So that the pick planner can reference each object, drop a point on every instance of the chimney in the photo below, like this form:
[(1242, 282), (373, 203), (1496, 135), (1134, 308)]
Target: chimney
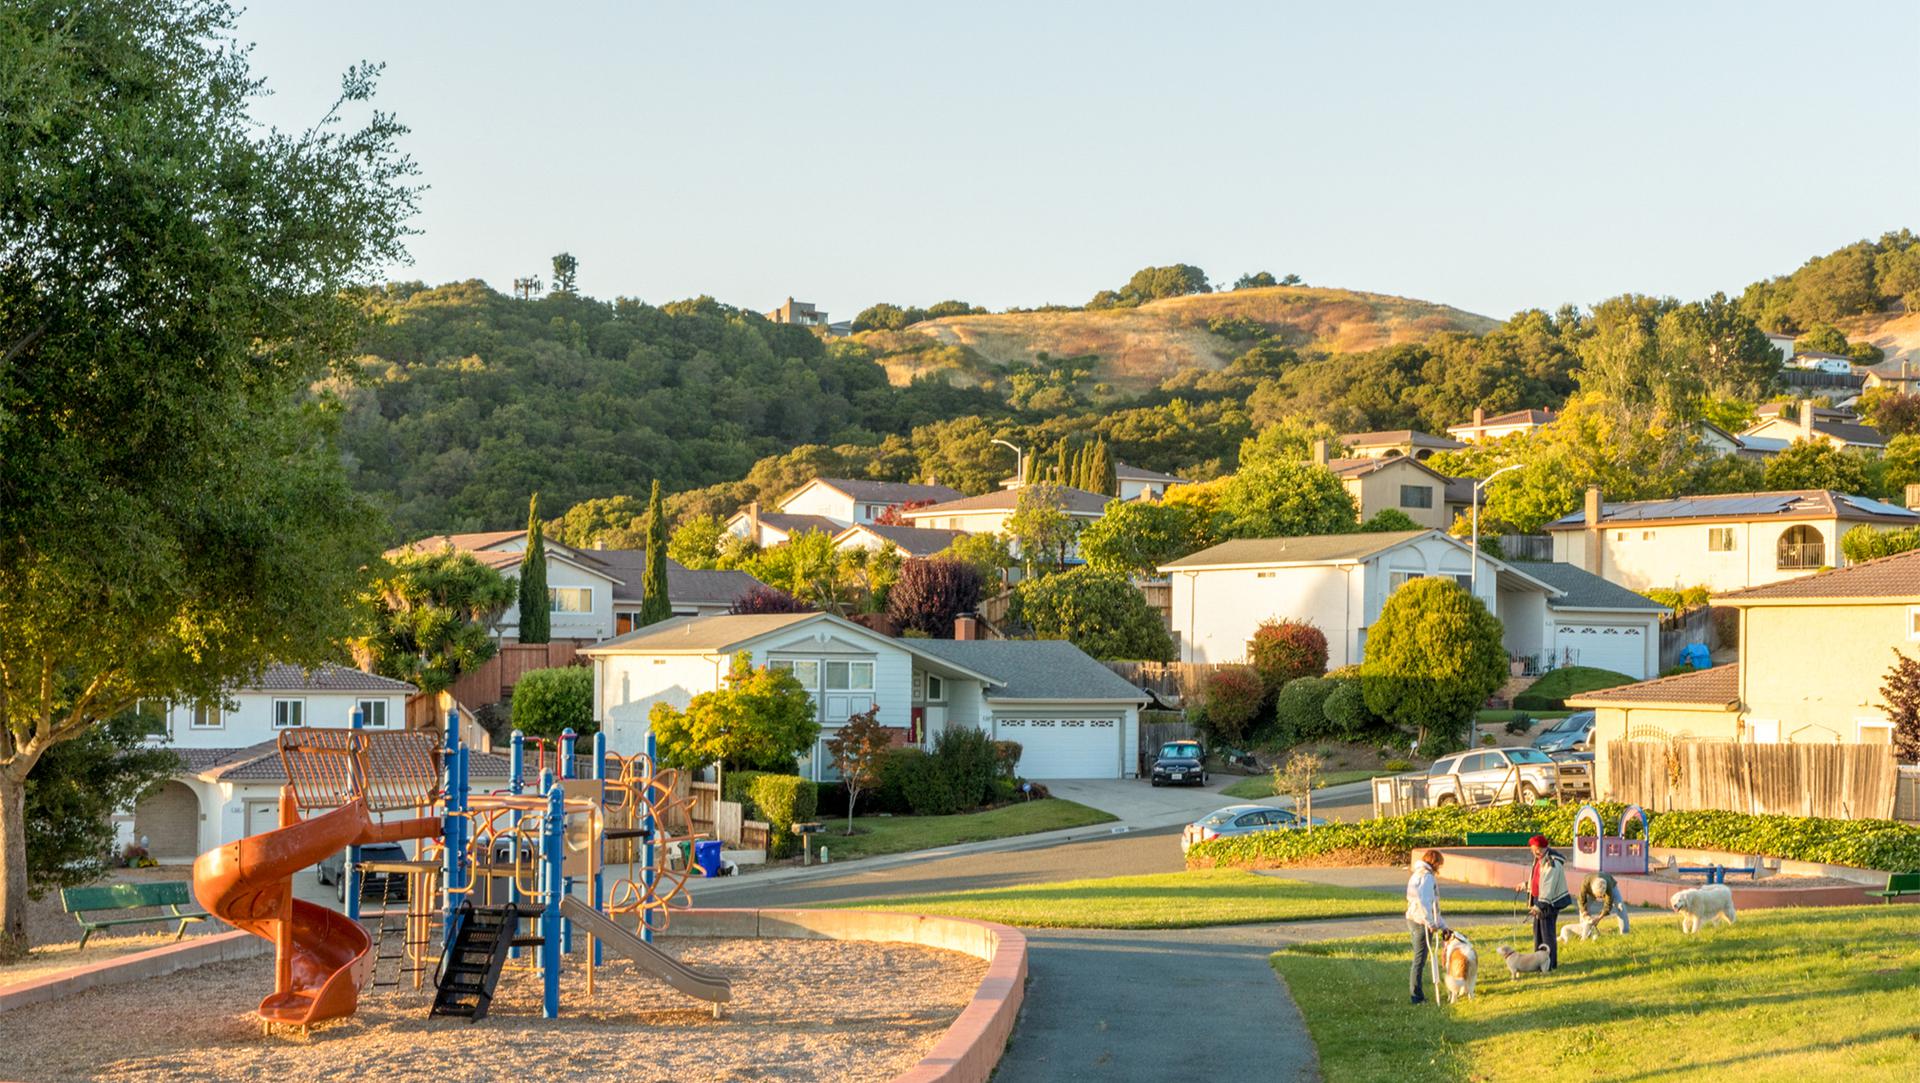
[(1806, 419), (966, 628), (753, 522), (1913, 497), (1320, 452), (1593, 506), (1479, 416), (1593, 532)]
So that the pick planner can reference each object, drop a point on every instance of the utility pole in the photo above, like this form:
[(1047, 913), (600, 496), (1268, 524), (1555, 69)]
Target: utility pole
[(525, 288)]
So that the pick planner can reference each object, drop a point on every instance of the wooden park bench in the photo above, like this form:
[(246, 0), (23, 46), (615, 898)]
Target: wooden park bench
[(1498, 838), (1898, 884), (172, 894)]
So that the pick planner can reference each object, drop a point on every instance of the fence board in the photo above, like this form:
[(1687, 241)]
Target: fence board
[(728, 816), (495, 678), (1181, 679), (1841, 781)]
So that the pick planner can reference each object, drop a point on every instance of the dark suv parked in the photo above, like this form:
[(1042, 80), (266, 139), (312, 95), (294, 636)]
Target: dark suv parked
[(1180, 763)]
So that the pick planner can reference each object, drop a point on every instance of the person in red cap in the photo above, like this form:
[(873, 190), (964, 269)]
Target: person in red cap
[(1546, 889)]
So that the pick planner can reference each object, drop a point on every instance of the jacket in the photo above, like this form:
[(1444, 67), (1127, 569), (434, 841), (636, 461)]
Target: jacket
[(1600, 887), (1553, 882), (1423, 906)]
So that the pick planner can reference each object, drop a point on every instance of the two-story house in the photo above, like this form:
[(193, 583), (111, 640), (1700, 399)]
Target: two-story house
[(1775, 433), (1514, 423), (1814, 652), (830, 505), (1411, 443), (1139, 483), (230, 776), (988, 513), (580, 593), (1723, 542), (1400, 482)]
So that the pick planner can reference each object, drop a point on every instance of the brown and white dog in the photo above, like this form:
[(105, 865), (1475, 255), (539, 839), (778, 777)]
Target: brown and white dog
[(1525, 962), (1459, 964), (1699, 905)]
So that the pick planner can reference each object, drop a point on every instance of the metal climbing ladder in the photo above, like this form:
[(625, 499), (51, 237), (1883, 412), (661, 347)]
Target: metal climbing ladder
[(471, 968)]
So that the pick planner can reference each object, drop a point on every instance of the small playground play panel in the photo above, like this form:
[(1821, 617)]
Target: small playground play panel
[(801, 1010)]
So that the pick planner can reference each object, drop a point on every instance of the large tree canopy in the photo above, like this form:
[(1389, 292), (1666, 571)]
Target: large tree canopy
[(171, 281)]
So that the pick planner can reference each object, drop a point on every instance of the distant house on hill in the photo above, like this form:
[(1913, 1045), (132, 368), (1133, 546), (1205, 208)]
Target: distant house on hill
[(800, 312), (1516, 423), (910, 540), (1135, 482), (1390, 442), (1771, 435), (1398, 482), (988, 513), (830, 505)]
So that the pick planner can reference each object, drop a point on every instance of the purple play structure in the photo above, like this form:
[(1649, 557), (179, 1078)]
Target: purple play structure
[(1610, 853)]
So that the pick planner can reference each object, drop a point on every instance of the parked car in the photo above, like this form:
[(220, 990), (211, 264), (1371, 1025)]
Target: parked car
[(1180, 763), (387, 887), (1490, 774), (1573, 733), (1241, 820)]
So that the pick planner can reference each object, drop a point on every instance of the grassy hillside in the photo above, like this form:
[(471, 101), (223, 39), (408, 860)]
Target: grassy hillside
[(1138, 347), (1896, 333)]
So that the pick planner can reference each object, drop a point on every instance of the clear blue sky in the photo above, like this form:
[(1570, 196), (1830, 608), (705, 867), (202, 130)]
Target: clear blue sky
[(1490, 156)]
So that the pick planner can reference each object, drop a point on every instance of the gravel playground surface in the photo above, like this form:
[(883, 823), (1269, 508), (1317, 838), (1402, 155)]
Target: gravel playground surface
[(56, 935), (801, 1010)]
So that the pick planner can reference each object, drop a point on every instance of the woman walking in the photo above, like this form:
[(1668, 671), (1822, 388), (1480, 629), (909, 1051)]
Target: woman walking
[(1546, 889), (1423, 917)]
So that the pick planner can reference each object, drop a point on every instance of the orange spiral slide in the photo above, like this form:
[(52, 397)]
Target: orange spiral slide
[(320, 955)]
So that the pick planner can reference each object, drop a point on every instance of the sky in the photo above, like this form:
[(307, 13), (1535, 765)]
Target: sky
[(1490, 156)]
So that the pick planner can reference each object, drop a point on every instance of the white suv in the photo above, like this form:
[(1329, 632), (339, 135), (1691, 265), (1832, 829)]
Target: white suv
[(1490, 776)]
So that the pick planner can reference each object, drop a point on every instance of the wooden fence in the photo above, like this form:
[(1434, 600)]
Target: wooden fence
[(1531, 547), (426, 712), (1165, 679), (496, 677), (1835, 781), (1906, 799)]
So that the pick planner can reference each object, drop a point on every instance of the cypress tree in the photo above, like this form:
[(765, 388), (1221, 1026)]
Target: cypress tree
[(1061, 467), (536, 612), (654, 605)]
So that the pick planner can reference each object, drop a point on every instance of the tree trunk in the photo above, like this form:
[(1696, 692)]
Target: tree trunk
[(13, 866)]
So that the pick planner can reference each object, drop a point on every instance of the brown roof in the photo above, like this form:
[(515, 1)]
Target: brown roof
[(1716, 687), (1141, 473), (1400, 436), (1362, 466), (1310, 549), (1897, 576), (792, 524), (1070, 500)]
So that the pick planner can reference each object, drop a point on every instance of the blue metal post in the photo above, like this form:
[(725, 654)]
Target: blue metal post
[(516, 767), (568, 744), (352, 873), (454, 823), (600, 844), (553, 852), (646, 869)]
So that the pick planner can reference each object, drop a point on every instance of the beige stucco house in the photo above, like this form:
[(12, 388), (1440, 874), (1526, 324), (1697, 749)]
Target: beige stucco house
[(1404, 484), (1723, 542), (1387, 443), (1774, 434), (1514, 423), (1814, 652)]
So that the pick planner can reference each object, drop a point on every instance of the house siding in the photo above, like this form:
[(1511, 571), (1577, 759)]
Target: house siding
[(250, 720), (1675, 555), (1819, 695)]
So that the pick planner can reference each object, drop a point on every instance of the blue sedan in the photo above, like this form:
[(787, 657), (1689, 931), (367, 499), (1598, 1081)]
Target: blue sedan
[(1241, 820)]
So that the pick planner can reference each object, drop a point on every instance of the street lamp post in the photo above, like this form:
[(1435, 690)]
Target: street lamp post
[(1473, 573), (1019, 460)]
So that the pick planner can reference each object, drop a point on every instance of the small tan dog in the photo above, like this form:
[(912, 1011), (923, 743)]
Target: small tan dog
[(1525, 962), (1460, 964), (1585, 930)]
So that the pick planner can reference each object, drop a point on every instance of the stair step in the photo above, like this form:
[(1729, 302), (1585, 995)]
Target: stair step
[(528, 941)]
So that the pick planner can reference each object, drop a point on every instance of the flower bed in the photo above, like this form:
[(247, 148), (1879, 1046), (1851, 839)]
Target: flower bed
[(1869, 844)]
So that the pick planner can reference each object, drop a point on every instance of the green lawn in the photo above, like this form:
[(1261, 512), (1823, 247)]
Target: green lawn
[(1172, 900), (1258, 786), (898, 834), (1802, 995), (1490, 715)]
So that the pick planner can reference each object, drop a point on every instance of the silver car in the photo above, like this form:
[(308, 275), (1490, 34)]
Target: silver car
[(1490, 776), (1240, 820)]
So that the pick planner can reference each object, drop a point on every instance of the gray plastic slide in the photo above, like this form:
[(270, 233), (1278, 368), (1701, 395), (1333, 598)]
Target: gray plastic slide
[(694, 983)]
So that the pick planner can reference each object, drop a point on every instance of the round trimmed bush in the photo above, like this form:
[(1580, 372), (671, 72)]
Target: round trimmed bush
[(1433, 658), (1347, 713), (546, 701), (1285, 650), (1300, 709), (1233, 697)]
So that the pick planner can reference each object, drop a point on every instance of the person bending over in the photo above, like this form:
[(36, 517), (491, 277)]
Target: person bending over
[(1603, 889)]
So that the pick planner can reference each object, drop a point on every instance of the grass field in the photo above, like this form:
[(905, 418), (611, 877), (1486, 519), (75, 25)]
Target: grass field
[(1173, 900), (1499, 715), (1257, 786), (1802, 995), (898, 834)]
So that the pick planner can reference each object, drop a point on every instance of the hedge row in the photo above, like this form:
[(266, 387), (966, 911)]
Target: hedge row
[(1868, 844)]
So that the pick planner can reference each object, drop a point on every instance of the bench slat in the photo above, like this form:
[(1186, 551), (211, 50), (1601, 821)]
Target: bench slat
[(127, 896)]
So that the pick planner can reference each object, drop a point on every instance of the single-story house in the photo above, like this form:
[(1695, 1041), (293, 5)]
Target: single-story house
[(910, 540), (830, 505), (1137, 482), (1771, 435), (1340, 582), (988, 513), (1723, 542), (1073, 716), (1412, 443), (767, 529), (1517, 422), (1813, 654), (201, 807)]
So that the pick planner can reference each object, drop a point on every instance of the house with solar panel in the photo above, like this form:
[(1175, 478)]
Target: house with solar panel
[(1724, 542)]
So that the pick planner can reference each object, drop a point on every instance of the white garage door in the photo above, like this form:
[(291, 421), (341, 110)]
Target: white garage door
[(1063, 746), (1621, 648)]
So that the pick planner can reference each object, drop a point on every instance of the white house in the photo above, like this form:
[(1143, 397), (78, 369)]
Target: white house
[(691, 592), (830, 505), (1516, 423), (1137, 482), (1723, 542), (1340, 582), (230, 777), (1776, 432), (988, 513), (1073, 717), (580, 592), (911, 541)]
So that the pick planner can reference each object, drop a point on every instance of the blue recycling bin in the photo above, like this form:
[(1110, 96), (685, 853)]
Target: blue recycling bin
[(1696, 655), (706, 855)]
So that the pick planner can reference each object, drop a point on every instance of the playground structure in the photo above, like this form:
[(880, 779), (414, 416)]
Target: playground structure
[(1600, 852), (485, 865)]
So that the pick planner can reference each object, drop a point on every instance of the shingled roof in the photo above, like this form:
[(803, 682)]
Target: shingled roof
[(1311, 549), (1893, 577), (883, 492), (1789, 504), (279, 677), (1717, 687)]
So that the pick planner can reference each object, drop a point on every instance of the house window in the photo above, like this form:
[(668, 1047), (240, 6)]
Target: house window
[(1646, 535), (1396, 580), (804, 670), (1619, 535), (206, 716), (1802, 548), (373, 713), (849, 676), (570, 599), (1416, 496), (1720, 539), (936, 689), (1875, 731), (289, 713)]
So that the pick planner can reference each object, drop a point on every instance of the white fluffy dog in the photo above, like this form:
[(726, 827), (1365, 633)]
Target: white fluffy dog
[(1525, 962), (1461, 966), (1584, 929), (1700, 905)]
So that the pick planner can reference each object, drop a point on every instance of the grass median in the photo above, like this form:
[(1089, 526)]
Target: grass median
[(1254, 787), (1801, 994), (875, 835), (1173, 900)]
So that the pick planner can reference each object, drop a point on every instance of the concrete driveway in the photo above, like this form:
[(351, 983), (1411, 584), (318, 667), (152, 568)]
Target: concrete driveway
[(1140, 805)]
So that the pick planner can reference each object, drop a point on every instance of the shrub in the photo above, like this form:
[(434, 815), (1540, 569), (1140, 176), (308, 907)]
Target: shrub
[(1348, 716), (1518, 726), (764, 599), (968, 759), (1300, 709), (547, 701), (1386, 520), (1679, 600), (1550, 692), (1006, 756), (1232, 697), (1488, 740), (1102, 613), (1396, 766), (1283, 650), (911, 780), (783, 800), (1433, 658), (1863, 542), (929, 594), (738, 786)]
